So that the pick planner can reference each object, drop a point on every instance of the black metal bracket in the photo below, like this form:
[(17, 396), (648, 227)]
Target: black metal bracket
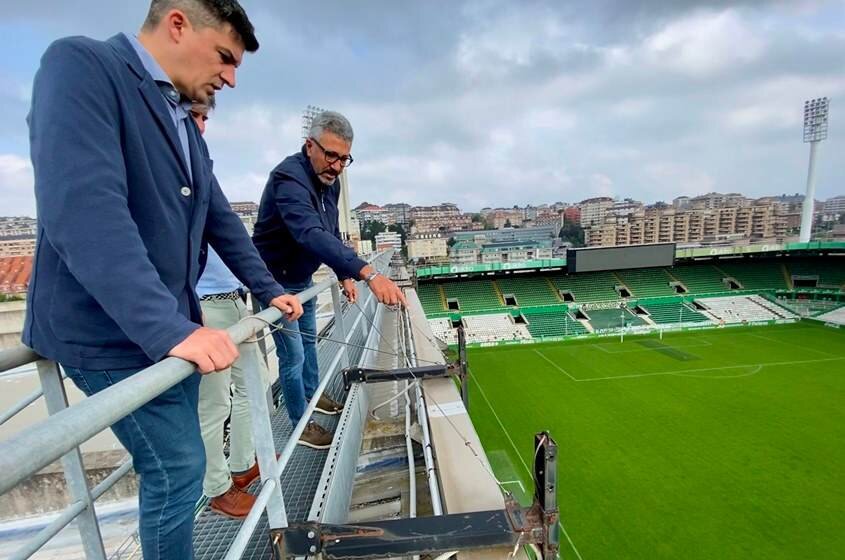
[(512, 526), (367, 375)]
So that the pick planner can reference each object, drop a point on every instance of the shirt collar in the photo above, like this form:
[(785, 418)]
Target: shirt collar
[(154, 69)]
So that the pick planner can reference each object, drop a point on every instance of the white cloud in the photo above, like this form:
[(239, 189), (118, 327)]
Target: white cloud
[(671, 179), (776, 103), (704, 44)]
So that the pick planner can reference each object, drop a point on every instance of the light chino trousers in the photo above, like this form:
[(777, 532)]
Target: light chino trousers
[(216, 402)]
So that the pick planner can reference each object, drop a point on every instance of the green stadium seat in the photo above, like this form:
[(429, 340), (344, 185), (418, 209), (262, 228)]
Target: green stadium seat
[(473, 295), (528, 290), (553, 324), (756, 274), (830, 271), (670, 313), (429, 294), (699, 278), (588, 286), (647, 282)]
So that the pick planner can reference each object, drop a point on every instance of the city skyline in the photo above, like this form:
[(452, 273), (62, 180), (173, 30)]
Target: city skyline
[(479, 104)]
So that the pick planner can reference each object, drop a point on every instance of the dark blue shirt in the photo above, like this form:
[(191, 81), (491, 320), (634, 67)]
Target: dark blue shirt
[(297, 228)]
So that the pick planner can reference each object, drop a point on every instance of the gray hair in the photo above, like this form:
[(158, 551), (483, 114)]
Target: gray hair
[(330, 121)]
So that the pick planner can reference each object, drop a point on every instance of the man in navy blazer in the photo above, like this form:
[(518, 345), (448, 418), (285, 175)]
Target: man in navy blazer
[(126, 198)]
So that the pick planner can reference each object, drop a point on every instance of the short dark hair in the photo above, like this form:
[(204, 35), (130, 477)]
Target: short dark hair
[(207, 13)]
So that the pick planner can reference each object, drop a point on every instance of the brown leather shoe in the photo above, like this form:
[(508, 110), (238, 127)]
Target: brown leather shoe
[(315, 436), (235, 503), (328, 406), (244, 479)]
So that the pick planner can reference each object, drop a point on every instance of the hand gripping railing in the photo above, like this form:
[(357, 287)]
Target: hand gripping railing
[(60, 435)]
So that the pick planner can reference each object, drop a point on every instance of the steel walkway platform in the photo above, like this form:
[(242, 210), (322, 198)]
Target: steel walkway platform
[(214, 533)]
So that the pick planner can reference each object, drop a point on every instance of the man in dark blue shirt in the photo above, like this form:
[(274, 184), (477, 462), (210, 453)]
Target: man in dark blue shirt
[(297, 231), (126, 198)]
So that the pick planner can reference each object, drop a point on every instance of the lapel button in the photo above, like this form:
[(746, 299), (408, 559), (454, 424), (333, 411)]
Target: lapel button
[(185, 191)]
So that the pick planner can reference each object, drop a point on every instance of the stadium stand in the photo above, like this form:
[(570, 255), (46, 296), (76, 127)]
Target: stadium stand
[(829, 272), (836, 316), (742, 309), (756, 275), (472, 295), (442, 329), (553, 324), (603, 319), (700, 278), (528, 290), (676, 312), (588, 286), (647, 282), (490, 328), (430, 298)]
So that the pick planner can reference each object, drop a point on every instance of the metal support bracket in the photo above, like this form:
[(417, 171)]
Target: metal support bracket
[(512, 526), (367, 375)]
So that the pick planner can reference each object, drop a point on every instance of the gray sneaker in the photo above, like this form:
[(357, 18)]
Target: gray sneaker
[(328, 406), (315, 436)]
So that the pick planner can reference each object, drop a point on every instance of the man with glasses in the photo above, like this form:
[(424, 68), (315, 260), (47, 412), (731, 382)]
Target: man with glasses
[(297, 231)]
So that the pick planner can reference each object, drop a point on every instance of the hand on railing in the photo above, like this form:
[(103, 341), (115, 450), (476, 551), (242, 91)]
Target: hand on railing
[(210, 349), (386, 291), (289, 305), (350, 290)]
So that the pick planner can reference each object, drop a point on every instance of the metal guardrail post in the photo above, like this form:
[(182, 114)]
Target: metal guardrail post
[(262, 432), (256, 309), (339, 323), (56, 399)]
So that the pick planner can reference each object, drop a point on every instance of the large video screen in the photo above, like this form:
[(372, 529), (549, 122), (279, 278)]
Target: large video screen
[(614, 258)]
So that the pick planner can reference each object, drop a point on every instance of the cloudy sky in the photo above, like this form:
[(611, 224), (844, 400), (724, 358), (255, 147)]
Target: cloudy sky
[(499, 103)]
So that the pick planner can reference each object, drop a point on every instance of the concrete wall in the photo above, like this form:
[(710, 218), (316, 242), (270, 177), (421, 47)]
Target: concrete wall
[(11, 323)]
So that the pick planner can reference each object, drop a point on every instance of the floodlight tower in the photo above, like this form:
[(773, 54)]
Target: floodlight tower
[(308, 115), (815, 130)]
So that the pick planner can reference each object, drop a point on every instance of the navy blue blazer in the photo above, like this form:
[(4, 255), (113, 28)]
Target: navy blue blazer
[(297, 227), (120, 223)]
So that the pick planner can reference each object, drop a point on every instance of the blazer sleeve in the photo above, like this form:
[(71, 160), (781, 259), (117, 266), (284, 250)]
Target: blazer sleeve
[(227, 234), (81, 193), (293, 203)]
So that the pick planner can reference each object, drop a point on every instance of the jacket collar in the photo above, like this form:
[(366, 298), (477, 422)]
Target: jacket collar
[(152, 95)]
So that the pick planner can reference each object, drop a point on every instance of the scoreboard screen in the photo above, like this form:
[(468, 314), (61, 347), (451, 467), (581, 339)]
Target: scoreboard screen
[(614, 258)]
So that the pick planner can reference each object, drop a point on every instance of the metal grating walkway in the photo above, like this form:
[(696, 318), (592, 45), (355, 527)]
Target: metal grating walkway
[(213, 533)]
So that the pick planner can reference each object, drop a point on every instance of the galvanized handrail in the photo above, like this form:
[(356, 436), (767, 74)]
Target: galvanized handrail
[(61, 434), (71, 427)]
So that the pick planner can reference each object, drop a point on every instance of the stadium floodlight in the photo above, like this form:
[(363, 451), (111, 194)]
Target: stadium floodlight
[(308, 115), (815, 130)]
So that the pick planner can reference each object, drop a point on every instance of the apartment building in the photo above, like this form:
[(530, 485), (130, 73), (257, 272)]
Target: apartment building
[(427, 246), (594, 210), (757, 221)]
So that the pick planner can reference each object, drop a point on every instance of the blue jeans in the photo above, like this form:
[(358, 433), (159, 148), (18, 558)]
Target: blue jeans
[(163, 437), (296, 348)]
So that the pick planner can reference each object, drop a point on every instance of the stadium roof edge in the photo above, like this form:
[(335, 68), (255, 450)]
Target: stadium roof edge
[(680, 254)]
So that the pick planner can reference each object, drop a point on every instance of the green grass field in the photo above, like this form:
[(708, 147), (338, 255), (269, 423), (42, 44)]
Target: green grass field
[(725, 443)]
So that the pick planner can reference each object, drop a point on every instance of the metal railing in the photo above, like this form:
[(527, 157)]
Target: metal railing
[(60, 435)]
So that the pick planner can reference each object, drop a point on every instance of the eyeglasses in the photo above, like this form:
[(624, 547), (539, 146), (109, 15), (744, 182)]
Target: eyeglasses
[(331, 157)]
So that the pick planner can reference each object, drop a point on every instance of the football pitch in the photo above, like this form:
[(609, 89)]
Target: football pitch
[(722, 443)]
